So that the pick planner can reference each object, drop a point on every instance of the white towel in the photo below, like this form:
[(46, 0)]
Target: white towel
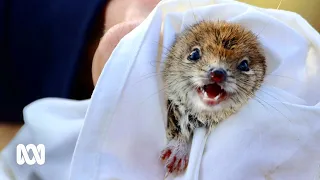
[(275, 136)]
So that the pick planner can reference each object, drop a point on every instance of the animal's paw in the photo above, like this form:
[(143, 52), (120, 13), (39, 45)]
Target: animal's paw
[(175, 156)]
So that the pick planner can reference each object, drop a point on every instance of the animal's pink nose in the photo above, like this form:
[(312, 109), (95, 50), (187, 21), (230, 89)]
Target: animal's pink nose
[(218, 76)]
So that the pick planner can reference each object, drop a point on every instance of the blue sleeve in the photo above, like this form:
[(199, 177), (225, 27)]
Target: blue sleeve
[(41, 44)]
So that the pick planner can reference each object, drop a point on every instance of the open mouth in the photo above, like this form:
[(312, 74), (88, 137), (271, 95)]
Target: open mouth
[(212, 94)]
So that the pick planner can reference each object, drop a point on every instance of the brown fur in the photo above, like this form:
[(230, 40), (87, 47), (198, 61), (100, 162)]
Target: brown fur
[(222, 44)]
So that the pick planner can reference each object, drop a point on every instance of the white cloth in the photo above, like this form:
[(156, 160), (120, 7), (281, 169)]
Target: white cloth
[(276, 136), (54, 122)]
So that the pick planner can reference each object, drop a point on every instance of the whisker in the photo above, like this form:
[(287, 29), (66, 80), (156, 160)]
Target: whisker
[(265, 92), (281, 76), (267, 23), (279, 4), (255, 96), (183, 79), (194, 15)]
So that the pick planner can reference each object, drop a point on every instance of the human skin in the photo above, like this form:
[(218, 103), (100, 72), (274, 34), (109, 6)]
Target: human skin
[(120, 17)]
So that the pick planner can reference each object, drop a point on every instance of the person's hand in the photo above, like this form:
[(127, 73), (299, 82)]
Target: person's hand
[(121, 16)]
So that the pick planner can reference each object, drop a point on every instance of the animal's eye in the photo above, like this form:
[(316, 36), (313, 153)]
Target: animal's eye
[(194, 55), (243, 66)]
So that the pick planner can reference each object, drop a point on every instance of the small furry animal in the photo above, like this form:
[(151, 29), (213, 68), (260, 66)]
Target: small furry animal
[(211, 71)]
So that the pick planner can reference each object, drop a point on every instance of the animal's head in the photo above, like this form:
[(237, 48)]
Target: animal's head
[(213, 65)]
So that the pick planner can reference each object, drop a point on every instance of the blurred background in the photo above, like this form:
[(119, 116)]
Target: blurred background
[(307, 9)]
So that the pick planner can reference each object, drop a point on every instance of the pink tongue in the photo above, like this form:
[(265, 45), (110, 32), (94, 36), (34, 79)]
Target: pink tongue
[(212, 90)]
